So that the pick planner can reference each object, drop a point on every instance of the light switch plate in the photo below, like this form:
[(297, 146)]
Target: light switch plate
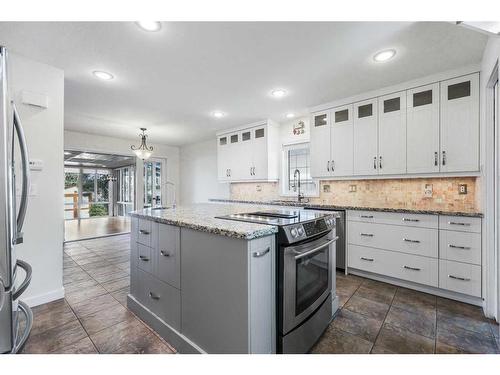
[(428, 191), (353, 188)]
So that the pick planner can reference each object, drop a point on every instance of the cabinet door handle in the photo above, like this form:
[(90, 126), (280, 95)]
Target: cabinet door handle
[(333, 166), (459, 247), (380, 162), (457, 223), (367, 259), (144, 258), (259, 254), (254, 171), (229, 172), (366, 234), (366, 216), (154, 296), (435, 158), (443, 158), (411, 220), (458, 278), (164, 253), (328, 165), (143, 231), (412, 241), (411, 268), (374, 162)]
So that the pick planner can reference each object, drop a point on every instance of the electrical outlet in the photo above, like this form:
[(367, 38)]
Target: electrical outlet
[(462, 188), (428, 191), (258, 188), (326, 188), (353, 188)]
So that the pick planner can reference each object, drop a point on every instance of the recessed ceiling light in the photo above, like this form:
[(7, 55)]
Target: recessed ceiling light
[(290, 115), (149, 25), (218, 114), (103, 75), (278, 93), (385, 55)]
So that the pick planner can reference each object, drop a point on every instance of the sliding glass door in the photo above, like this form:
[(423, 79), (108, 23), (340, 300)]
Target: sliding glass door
[(87, 193), (125, 190), (153, 183)]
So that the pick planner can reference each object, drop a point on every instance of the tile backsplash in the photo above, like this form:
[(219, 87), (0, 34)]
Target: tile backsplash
[(418, 193)]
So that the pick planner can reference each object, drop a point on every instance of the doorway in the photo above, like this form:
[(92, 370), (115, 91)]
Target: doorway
[(99, 192)]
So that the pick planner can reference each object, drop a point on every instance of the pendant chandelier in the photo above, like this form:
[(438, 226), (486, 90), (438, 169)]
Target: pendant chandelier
[(143, 151)]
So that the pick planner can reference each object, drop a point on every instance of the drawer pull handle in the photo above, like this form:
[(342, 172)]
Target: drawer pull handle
[(366, 216), (259, 254), (367, 259), (459, 278), (366, 234), (456, 223), (164, 253), (144, 258), (411, 220), (459, 247), (412, 241), (411, 268), (143, 231), (154, 296)]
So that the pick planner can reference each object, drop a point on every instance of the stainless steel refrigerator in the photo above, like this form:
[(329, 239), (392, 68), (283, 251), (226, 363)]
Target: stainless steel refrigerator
[(15, 275)]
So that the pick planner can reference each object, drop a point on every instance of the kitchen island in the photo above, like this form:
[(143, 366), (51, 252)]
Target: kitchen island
[(206, 285)]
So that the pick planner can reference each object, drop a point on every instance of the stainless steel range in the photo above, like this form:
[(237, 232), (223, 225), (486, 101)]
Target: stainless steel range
[(305, 273)]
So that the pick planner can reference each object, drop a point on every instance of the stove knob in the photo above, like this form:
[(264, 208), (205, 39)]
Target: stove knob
[(293, 232), (300, 231)]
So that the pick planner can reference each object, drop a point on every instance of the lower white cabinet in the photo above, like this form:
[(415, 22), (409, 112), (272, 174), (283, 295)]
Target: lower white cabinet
[(432, 250), (460, 277)]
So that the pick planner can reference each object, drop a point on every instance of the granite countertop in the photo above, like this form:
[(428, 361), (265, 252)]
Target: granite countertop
[(360, 208), (202, 217)]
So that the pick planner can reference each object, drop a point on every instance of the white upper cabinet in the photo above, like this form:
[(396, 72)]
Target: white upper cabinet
[(249, 153), (422, 144), (365, 138), (392, 133), (320, 144), (341, 133), (460, 124), (223, 157)]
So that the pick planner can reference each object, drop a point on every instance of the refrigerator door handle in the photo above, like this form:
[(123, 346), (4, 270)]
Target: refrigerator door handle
[(20, 290), (21, 340), (26, 176)]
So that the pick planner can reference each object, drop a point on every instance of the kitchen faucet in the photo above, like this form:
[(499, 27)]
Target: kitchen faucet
[(300, 196)]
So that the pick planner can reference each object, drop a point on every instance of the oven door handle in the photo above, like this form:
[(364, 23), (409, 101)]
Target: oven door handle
[(315, 250)]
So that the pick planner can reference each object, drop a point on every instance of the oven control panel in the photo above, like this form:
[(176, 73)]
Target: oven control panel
[(302, 231)]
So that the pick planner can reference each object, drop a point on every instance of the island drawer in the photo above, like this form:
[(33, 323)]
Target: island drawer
[(169, 257), (145, 258), (410, 240), (462, 247), (460, 277), (394, 218), (144, 232), (460, 223), (162, 299), (418, 269)]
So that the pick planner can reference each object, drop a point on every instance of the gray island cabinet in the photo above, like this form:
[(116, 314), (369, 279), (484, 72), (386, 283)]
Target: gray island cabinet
[(204, 290)]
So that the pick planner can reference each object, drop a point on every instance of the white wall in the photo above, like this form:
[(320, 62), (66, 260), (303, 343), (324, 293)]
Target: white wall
[(43, 229), (490, 58), (198, 171), (98, 143)]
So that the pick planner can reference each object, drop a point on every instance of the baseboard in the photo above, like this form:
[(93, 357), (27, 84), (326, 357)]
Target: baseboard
[(44, 298)]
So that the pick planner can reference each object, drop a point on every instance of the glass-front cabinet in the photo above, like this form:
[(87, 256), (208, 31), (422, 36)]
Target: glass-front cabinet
[(153, 184)]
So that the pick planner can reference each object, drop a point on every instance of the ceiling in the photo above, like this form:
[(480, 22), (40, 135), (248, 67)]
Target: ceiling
[(172, 80)]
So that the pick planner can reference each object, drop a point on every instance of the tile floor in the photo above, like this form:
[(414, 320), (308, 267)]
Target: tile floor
[(93, 318), (374, 317), (379, 318)]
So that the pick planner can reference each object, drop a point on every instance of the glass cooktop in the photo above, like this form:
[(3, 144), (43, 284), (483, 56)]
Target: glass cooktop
[(276, 217)]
